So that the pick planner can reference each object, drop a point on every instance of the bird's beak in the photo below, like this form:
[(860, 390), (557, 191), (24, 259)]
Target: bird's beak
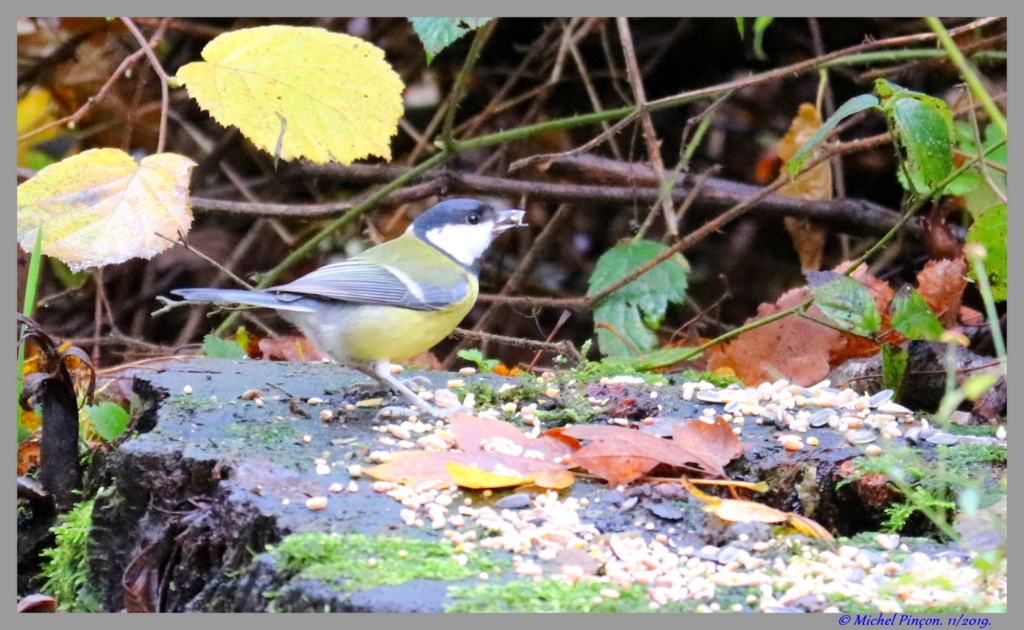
[(509, 219)]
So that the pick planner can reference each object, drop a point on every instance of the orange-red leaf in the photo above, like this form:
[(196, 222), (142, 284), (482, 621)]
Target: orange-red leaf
[(429, 469), (621, 455), (941, 283), (474, 434), (713, 445)]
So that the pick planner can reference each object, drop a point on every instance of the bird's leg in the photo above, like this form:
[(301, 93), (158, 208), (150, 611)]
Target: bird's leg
[(381, 372)]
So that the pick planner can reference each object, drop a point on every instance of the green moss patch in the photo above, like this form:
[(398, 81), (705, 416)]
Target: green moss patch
[(363, 562)]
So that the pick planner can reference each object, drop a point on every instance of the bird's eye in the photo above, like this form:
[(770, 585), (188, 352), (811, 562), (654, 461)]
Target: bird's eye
[(473, 219)]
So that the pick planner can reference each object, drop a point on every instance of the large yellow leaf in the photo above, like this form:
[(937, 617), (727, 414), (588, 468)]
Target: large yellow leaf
[(300, 92), (102, 207)]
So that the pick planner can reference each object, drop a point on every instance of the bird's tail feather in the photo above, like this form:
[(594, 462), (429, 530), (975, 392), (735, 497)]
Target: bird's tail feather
[(241, 296)]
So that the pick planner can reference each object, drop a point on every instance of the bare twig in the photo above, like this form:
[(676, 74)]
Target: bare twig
[(479, 39), (161, 73), (838, 179), (595, 100), (982, 164), (564, 348), (80, 113), (968, 72), (650, 137)]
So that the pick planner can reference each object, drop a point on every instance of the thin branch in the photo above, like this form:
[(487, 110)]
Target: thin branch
[(564, 348), (80, 113), (479, 39), (708, 92), (165, 96), (967, 72), (983, 164), (650, 137)]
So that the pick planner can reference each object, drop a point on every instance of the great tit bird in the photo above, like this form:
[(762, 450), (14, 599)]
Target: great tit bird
[(393, 301)]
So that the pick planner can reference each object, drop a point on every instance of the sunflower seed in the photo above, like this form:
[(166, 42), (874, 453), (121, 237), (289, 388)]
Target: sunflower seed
[(862, 436), (894, 409), (709, 397), (881, 397), (820, 417)]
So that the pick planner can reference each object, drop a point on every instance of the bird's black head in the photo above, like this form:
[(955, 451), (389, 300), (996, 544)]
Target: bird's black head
[(463, 228)]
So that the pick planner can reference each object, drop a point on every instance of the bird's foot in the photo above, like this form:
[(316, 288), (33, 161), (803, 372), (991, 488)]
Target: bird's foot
[(420, 410), (418, 382), (367, 390)]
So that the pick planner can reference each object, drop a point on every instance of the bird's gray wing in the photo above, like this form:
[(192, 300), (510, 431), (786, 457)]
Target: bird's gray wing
[(363, 282)]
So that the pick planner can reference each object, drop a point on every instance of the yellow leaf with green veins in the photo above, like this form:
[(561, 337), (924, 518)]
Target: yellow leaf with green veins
[(101, 207), (300, 92)]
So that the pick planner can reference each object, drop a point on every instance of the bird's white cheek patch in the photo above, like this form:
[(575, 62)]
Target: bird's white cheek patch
[(464, 243)]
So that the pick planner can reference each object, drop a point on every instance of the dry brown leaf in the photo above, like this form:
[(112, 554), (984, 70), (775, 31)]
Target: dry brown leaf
[(797, 348), (714, 445), (290, 348), (609, 462), (474, 434), (941, 283), (428, 469), (816, 185), (793, 348)]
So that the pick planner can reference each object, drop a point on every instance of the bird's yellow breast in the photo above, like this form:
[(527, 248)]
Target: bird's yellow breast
[(395, 334)]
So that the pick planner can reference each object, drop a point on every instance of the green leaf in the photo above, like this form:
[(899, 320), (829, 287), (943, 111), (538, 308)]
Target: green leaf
[(990, 232), (845, 301), (924, 128), (217, 348), (912, 318), (894, 366), (980, 197), (477, 358), (437, 33), (741, 27), (853, 106), (640, 306), (109, 419), (68, 279), (760, 24)]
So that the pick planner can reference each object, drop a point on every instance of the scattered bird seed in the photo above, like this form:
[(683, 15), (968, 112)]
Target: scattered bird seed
[(820, 418), (316, 503), (894, 409), (709, 397), (880, 398), (862, 436), (517, 501)]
